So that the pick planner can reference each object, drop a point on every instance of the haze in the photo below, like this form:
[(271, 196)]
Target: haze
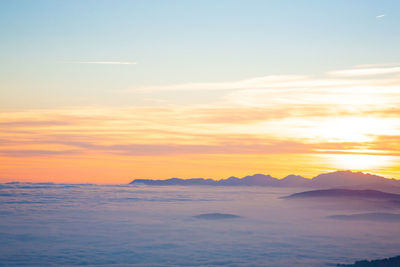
[(64, 225)]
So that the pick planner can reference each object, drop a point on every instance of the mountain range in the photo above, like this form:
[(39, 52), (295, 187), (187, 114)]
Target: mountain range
[(342, 179)]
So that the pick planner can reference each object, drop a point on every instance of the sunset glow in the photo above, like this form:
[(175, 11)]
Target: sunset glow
[(361, 162), (111, 144), (103, 112)]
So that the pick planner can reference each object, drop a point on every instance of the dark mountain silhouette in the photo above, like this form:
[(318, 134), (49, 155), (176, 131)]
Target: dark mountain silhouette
[(352, 199), (254, 180), (388, 262), (294, 181), (372, 201), (338, 179), (346, 193), (175, 181), (348, 178)]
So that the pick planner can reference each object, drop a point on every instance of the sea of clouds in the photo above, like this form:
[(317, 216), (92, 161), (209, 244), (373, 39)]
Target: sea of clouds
[(124, 225)]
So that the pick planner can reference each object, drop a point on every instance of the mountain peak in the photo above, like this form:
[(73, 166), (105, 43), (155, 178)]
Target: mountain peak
[(337, 179), (293, 177), (294, 181), (346, 178)]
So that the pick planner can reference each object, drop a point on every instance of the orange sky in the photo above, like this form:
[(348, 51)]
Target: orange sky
[(344, 119)]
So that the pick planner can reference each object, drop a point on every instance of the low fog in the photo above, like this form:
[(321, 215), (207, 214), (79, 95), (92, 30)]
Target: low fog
[(50, 224)]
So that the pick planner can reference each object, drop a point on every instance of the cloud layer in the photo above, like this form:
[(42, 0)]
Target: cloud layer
[(352, 111), (76, 224)]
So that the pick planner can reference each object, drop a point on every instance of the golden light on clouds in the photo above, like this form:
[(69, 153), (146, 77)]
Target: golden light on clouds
[(347, 119), (360, 162)]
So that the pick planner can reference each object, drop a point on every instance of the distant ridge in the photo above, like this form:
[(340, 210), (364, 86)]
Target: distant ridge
[(252, 180), (346, 193), (345, 179)]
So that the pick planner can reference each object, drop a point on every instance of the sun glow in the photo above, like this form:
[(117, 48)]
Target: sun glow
[(360, 162), (352, 129)]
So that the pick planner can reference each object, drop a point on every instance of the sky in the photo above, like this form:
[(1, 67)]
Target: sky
[(109, 91)]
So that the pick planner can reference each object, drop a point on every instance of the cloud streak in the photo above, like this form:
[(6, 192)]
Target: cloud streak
[(363, 75), (351, 111), (37, 153), (178, 131), (366, 71), (106, 62)]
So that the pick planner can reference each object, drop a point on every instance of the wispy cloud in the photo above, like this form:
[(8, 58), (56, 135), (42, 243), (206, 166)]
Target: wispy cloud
[(368, 70), (332, 79), (380, 16), (37, 153), (345, 111), (252, 83), (105, 62)]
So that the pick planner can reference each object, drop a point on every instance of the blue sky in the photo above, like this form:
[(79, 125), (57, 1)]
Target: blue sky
[(178, 42)]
